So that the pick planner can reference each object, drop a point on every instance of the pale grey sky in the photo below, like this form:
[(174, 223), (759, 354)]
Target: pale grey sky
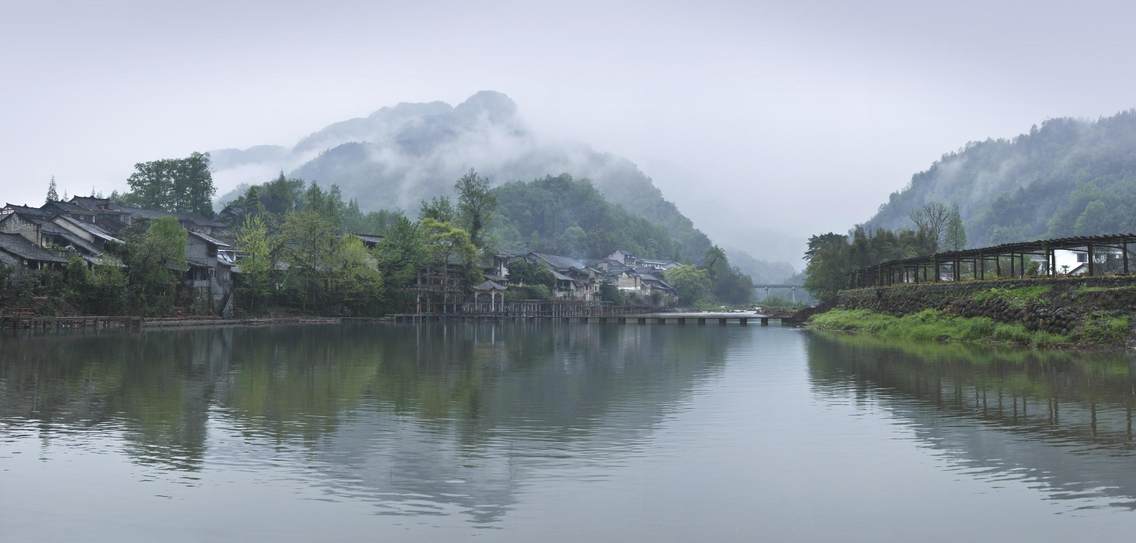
[(791, 117)]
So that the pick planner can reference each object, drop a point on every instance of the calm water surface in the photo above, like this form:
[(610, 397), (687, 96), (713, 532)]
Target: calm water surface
[(524, 432)]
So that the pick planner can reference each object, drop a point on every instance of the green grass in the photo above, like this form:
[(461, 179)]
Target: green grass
[(1018, 297), (1088, 290), (1104, 328), (933, 325)]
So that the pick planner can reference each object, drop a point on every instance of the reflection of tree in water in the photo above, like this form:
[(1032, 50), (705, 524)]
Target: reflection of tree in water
[(155, 388), (1062, 419), (417, 419)]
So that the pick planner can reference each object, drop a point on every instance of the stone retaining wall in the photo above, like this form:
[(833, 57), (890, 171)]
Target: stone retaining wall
[(1066, 302)]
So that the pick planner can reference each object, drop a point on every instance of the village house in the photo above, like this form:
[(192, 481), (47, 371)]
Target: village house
[(639, 278), (21, 256), (574, 279), (209, 276), (86, 226)]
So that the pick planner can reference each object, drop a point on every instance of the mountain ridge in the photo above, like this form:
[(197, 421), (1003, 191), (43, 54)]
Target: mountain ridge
[(1066, 177), (402, 154)]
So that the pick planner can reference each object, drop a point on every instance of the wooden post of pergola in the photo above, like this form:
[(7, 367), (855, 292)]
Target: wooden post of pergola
[(981, 263), (1012, 265), (1124, 252), (1092, 265)]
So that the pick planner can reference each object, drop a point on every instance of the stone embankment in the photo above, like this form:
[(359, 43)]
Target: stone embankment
[(1074, 307)]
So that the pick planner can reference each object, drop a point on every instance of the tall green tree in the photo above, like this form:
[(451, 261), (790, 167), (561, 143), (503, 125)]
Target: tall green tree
[(256, 264), (693, 284), (400, 254), (355, 277), (156, 263), (308, 245), (439, 209), (446, 245), (476, 204), (182, 185), (827, 268), (954, 239)]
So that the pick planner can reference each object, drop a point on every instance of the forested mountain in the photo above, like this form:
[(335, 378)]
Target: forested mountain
[(1067, 177), (562, 215), (401, 155)]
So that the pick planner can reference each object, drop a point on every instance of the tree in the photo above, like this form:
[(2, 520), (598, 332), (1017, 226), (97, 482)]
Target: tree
[(827, 266), (932, 218), (52, 194), (476, 204), (715, 261), (175, 185), (256, 264), (308, 243), (693, 284), (523, 272), (355, 278), (446, 245), (156, 263), (955, 236), (439, 209), (400, 254)]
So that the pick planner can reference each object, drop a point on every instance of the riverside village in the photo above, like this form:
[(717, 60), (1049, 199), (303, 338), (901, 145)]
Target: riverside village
[(694, 271)]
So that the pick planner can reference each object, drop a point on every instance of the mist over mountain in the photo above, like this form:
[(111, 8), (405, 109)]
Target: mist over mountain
[(399, 155), (1066, 177)]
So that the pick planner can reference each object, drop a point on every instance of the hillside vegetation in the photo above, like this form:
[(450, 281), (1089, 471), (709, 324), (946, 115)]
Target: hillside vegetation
[(1066, 177)]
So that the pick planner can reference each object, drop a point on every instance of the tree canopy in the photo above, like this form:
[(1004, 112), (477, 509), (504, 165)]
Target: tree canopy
[(177, 185)]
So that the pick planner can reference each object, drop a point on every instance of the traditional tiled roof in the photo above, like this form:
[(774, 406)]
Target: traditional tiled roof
[(68, 238), (560, 276), (19, 246), (209, 239), (29, 214), (561, 262), (92, 229)]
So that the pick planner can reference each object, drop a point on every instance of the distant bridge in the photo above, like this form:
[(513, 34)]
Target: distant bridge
[(766, 287)]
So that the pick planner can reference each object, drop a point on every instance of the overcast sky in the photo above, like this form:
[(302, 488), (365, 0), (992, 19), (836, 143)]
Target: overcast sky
[(792, 117)]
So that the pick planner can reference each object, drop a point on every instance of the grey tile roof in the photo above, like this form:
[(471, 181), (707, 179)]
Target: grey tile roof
[(19, 246), (92, 229), (209, 239), (561, 262)]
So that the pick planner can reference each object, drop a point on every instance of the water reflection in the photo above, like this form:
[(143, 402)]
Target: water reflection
[(1060, 421), (414, 420)]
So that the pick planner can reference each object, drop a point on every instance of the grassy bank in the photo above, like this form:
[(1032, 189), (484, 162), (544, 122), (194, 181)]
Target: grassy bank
[(933, 325)]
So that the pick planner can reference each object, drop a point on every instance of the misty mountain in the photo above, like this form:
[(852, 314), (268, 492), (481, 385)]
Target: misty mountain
[(400, 155), (1067, 177), (762, 272)]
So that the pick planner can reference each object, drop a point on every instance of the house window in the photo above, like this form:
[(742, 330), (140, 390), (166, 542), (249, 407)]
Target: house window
[(1082, 258)]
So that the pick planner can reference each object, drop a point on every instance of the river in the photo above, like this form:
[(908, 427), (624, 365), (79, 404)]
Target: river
[(556, 432)]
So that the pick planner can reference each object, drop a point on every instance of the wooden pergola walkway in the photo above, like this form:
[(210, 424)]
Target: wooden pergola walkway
[(1010, 260)]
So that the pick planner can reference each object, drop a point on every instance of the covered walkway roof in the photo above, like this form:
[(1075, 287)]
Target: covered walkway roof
[(910, 269)]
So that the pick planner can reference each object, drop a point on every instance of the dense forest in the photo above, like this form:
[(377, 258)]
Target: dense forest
[(1066, 177), (562, 215)]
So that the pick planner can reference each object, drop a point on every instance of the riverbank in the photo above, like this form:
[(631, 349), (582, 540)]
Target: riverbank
[(139, 323), (1068, 313)]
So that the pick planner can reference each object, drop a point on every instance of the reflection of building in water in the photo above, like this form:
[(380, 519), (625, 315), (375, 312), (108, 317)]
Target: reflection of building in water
[(1061, 421), (415, 419)]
